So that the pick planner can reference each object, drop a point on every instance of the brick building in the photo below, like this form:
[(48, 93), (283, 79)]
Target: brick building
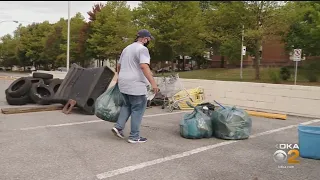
[(273, 54)]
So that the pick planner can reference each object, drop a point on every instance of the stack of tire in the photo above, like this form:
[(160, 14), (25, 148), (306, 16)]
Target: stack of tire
[(38, 89)]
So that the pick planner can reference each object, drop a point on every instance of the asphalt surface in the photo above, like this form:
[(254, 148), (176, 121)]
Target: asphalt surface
[(55, 146)]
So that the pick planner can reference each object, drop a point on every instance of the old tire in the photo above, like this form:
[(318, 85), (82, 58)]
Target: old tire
[(55, 84), (48, 81), (41, 94), (35, 80), (19, 87), (42, 75), (18, 101)]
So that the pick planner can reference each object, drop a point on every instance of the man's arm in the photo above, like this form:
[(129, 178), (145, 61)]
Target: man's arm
[(144, 65), (148, 74), (118, 68)]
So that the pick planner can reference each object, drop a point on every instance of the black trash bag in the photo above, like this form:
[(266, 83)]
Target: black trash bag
[(196, 125), (108, 104), (231, 123)]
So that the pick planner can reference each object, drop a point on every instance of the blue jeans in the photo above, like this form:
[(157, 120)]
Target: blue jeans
[(135, 107)]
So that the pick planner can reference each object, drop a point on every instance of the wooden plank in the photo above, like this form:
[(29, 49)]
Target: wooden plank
[(16, 110), (267, 115)]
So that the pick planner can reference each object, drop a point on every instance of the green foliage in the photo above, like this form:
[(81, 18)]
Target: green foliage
[(311, 76), (110, 30), (274, 75), (304, 32), (177, 27), (188, 28), (312, 70), (285, 73)]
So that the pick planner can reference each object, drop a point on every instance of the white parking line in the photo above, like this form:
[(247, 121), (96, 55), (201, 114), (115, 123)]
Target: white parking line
[(189, 153), (89, 122)]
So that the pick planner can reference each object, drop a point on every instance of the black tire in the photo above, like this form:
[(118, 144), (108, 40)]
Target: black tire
[(35, 80), (41, 94), (19, 87), (48, 81), (42, 75), (18, 101), (55, 84)]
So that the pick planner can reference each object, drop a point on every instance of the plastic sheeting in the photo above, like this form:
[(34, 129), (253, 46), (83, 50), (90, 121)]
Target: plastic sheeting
[(231, 123), (196, 125), (108, 104)]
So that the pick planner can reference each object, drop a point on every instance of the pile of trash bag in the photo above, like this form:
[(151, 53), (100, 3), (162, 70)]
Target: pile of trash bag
[(231, 123), (108, 104), (197, 124)]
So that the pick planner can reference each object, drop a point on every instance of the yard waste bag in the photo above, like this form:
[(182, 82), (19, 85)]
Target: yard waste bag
[(196, 125), (108, 104), (231, 123)]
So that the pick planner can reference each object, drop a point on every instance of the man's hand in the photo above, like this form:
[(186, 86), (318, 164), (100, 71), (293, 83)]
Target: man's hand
[(155, 88)]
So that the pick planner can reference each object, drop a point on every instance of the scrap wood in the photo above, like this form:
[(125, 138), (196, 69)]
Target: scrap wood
[(16, 110), (267, 115)]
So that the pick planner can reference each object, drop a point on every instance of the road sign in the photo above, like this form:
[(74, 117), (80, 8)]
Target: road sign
[(244, 49), (297, 55)]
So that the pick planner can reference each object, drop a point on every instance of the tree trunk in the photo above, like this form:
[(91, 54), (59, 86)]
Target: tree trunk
[(183, 63), (222, 62), (172, 64), (256, 60)]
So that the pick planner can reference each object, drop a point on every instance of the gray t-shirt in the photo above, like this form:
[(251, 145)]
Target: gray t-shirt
[(131, 79)]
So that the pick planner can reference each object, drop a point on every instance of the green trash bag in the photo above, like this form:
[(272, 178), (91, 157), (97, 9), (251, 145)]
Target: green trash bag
[(108, 104), (196, 125), (231, 123)]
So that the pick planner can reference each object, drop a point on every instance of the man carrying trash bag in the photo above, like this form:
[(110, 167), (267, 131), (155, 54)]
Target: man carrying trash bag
[(133, 76)]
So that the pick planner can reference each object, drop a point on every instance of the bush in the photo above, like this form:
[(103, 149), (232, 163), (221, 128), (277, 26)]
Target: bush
[(285, 73), (311, 75), (312, 70), (274, 76)]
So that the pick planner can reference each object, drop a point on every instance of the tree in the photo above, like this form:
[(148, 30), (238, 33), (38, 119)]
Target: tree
[(263, 20), (8, 51), (78, 38), (176, 25), (53, 51), (33, 40), (304, 28), (223, 32), (111, 27)]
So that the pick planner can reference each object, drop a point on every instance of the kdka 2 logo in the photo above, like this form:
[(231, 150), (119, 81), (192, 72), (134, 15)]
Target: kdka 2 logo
[(287, 154)]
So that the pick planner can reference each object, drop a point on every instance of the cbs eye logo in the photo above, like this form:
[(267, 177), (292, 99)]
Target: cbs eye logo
[(281, 156)]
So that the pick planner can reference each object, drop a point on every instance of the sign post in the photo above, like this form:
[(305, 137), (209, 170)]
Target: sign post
[(243, 52), (296, 58)]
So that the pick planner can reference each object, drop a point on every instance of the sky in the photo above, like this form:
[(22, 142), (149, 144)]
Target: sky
[(27, 12)]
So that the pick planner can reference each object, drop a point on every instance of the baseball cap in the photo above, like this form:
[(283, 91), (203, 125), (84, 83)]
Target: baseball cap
[(144, 33)]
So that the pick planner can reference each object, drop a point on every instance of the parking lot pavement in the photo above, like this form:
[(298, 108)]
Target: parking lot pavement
[(52, 145)]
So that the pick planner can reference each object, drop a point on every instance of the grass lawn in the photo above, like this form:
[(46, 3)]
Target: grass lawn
[(248, 75)]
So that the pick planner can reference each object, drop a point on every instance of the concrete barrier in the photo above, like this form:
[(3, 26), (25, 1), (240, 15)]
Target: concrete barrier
[(274, 98)]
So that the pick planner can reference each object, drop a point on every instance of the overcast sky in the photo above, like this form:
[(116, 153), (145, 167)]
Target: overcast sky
[(27, 12)]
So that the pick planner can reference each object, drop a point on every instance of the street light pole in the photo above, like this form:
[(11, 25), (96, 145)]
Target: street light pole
[(241, 63), (68, 38)]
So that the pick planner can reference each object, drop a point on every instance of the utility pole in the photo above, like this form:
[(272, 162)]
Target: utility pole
[(241, 63), (68, 38)]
